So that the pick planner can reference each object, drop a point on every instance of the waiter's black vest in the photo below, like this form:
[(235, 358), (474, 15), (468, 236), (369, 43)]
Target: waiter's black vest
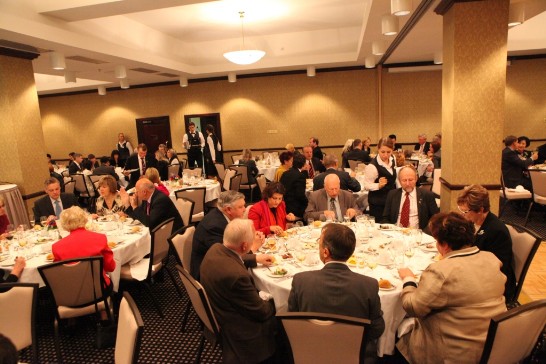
[(379, 197), (123, 151), (194, 140)]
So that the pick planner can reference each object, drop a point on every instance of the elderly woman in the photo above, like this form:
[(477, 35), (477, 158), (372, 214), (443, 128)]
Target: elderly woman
[(269, 215), (286, 159), (83, 243), (248, 161), (109, 201), (380, 177), (491, 233), (455, 299), (153, 175)]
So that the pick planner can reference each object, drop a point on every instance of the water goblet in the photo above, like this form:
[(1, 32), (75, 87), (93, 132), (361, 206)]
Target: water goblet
[(310, 223)]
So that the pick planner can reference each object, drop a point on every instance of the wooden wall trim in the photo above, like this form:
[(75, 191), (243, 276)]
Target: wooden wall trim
[(454, 187)]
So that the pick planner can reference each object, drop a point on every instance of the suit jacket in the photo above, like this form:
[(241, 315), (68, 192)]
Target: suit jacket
[(209, 232), (359, 155), (336, 289), (247, 322), (83, 243), (161, 209), (132, 163), (319, 202), (294, 183), (317, 166), (426, 206), (102, 170), (73, 168), (425, 149), (317, 153), (453, 303), (512, 168), (44, 207), (493, 236), (541, 154), (345, 180)]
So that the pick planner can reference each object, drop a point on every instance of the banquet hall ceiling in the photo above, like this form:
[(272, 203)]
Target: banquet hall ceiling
[(161, 40)]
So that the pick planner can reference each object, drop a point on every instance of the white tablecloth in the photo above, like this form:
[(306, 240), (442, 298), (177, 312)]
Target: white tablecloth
[(393, 313), (122, 181), (15, 208), (268, 171), (212, 193), (131, 249)]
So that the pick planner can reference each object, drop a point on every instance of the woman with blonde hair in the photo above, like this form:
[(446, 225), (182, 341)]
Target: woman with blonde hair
[(248, 161), (346, 149), (153, 175), (380, 177)]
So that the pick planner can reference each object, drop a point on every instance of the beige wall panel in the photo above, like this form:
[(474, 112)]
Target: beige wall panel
[(412, 104), (332, 106), (526, 99)]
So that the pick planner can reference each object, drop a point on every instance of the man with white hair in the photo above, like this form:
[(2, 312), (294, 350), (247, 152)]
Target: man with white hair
[(409, 206), (247, 321), (422, 146), (331, 201), (231, 205)]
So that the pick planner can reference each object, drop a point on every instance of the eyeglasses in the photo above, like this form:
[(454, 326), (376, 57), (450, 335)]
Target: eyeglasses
[(463, 212)]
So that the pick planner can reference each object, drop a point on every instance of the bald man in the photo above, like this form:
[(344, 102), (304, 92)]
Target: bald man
[(155, 208), (332, 202)]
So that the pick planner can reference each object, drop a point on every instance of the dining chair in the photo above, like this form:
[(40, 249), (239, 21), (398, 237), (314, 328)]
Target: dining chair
[(77, 287), (262, 182), (437, 185), (197, 195), (525, 244), (415, 163), (245, 184), (341, 338), (352, 164), (235, 183), (247, 209), (513, 334), (181, 244), (185, 209), (509, 195), (94, 178), (174, 169), (81, 186), (221, 170), (69, 186), (237, 157), (228, 175), (130, 330), (201, 305), (17, 315), (144, 271), (538, 181)]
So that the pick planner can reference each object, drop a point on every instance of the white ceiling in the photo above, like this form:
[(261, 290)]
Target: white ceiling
[(174, 38)]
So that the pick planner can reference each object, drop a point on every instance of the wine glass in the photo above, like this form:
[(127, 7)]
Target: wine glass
[(43, 220), (31, 221), (310, 223)]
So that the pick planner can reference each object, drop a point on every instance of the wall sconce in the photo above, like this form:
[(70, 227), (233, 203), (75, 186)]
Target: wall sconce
[(57, 61)]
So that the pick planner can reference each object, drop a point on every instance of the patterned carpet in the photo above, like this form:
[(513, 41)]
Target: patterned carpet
[(163, 340)]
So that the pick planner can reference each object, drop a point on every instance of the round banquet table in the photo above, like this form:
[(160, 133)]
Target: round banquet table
[(393, 312), (15, 208), (130, 248), (212, 193), (268, 170)]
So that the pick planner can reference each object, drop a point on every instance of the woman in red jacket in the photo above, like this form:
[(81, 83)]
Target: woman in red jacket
[(269, 215)]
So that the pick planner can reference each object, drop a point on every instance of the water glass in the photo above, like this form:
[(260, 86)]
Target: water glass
[(310, 223)]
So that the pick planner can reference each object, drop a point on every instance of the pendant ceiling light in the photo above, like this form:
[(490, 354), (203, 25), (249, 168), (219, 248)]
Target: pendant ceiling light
[(389, 24), (57, 61), (516, 15), (400, 7), (378, 47), (369, 62), (69, 77), (101, 90), (244, 56)]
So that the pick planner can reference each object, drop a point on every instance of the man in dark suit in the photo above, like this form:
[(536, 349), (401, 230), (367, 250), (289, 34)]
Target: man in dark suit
[(357, 153), (346, 181), (54, 203), (541, 154), (105, 168), (76, 165), (422, 146), (231, 205), (138, 163), (335, 288), (155, 208), (293, 181), (397, 146), (513, 165), (420, 205), (331, 201), (317, 152), (247, 321), (312, 166)]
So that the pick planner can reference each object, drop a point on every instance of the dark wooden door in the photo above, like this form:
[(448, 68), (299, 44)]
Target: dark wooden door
[(202, 120), (154, 131)]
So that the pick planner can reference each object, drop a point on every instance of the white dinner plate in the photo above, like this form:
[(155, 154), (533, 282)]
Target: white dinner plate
[(431, 250), (393, 287), (271, 273)]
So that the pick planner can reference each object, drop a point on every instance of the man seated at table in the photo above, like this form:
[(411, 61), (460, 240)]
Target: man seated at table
[(105, 168), (357, 154), (312, 166), (397, 146), (293, 181), (422, 146), (231, 205), (346, 181), (331, 202), (409, 206), (513, 166), (155, 207), (54, 203), (76, 165), (335, 288), (56, 175), (247, 321)]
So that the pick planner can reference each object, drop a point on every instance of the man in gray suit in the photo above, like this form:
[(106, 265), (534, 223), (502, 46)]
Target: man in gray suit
[(335, 288), (331, 201), (421, 204)]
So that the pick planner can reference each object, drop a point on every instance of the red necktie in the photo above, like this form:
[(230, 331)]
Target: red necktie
[(311, 171), (404, 215)]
